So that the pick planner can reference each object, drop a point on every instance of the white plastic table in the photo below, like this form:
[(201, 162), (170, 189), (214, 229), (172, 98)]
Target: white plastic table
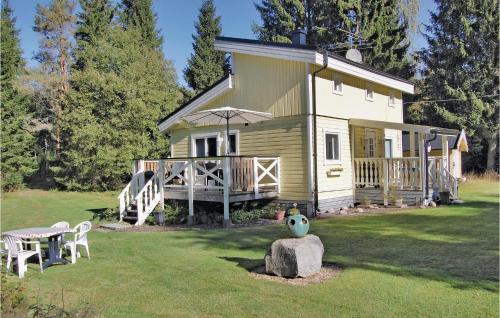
[(52, 233)]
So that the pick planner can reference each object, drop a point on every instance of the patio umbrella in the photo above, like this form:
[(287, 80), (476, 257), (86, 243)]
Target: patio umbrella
[(224, 115)]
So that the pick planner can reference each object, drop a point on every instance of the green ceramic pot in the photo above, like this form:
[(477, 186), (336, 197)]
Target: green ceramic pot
[(298, 225)]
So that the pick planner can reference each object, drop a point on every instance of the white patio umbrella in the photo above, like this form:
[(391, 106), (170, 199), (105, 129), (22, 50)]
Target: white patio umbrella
[(224, 115)]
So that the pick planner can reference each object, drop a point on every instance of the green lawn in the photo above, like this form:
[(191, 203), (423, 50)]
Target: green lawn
[(421, 263)]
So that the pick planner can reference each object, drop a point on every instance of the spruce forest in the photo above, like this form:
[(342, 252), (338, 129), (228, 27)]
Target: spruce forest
[(103, 82)]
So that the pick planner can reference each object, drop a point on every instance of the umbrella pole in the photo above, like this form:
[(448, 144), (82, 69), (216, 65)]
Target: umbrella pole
[(227, 136)]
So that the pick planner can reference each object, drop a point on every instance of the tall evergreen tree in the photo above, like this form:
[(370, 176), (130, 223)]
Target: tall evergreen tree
[(17, 160), (206, 65), (139, 14), (93, 21), (115, 101), (341, 23), (461, 62), (388, 45), (55, 24), (280, 18)]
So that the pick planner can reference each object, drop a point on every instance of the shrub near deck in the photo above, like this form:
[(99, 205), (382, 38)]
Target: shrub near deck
[(422, 262)]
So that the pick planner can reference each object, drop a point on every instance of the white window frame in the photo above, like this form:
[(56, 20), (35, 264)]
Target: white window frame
[(392, 95), (235, 132), (369, 87), (332, 161), (337, 79), (205, 136), (374, 143)]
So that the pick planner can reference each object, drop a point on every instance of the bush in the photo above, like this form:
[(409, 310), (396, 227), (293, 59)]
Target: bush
[(109, 214), (244, 216), (173, 214)]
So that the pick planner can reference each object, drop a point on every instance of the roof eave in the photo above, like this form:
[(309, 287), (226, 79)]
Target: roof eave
[(217, 89)]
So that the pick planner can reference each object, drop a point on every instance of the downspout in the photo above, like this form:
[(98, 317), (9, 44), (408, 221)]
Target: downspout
[(426, 163), (315, 143)]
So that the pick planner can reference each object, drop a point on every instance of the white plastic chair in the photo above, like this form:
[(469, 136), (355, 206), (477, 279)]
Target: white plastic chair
[(64, 225), (15, 250), (80, 239), (3, 251)]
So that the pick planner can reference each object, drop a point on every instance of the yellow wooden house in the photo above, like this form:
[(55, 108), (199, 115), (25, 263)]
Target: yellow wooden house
[(335, 138)]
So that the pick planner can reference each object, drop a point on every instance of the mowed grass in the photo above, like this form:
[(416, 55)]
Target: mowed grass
[(439, 262)]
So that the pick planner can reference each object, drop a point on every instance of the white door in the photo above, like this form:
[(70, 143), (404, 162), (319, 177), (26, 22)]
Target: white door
[(370, 143)]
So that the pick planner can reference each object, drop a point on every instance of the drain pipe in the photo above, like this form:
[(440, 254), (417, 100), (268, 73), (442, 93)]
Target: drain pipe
[(315, 143), (426, 156)]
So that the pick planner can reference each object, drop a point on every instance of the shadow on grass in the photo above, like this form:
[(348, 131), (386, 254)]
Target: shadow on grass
[(457, 245), (97, 214), (245, 263)]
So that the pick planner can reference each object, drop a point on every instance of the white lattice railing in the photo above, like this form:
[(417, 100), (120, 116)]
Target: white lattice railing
[(403, 173), (211, 176)]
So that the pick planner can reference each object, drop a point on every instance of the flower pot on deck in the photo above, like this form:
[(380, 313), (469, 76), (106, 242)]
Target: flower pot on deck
[(279, 215)]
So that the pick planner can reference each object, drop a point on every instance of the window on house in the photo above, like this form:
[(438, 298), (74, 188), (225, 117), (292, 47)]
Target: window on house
[(233, 144), (205, 146), (332, 144), (369, 92), (392, 99), (337, 84), (388, 148)]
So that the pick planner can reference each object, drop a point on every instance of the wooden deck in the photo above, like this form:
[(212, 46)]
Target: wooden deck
[(218, 196)]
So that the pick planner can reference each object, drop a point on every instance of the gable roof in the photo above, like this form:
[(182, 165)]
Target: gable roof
[(218, 88), (309, 54)]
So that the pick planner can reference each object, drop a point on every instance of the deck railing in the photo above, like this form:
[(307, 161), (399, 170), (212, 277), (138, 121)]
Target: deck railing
[(402, 173)]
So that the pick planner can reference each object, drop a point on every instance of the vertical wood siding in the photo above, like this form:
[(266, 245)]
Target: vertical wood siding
[(341, 185), (266, 85), (284, 137)]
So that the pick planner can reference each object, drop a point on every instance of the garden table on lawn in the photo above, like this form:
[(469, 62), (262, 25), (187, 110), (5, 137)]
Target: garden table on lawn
[(52, 233)]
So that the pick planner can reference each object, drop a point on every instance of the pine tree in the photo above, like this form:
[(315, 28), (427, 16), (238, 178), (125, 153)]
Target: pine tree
[(93, 21), (115, 102), (17, 160), (139, 14), (55, 25), (342, 23), (461, 63), (206, 65), (387, 38), (279, 19)]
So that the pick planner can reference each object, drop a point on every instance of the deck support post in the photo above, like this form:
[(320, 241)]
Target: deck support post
[(227, 179), (386, 183), (255, 176), (412, 143), (444, 143), (423, 170), (161, 177), (191, 191)]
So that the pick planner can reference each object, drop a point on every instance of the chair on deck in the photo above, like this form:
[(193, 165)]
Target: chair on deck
[(15, 250), (80, 239)]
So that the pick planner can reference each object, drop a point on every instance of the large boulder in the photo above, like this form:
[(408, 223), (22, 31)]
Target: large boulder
[(295, 257)]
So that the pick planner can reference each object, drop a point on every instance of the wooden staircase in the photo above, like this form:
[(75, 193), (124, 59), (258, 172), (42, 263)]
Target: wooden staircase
[(140, 196)]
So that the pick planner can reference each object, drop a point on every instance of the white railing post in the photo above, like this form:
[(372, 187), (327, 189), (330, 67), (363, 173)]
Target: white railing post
[(161, 183), (190, 184), (386, 182), (122, 206), (141, 176), (255, 176), (278, 172), (227, 181)]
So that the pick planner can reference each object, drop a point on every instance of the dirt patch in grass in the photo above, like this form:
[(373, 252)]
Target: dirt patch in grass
[(159, 228), (328, 271)]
